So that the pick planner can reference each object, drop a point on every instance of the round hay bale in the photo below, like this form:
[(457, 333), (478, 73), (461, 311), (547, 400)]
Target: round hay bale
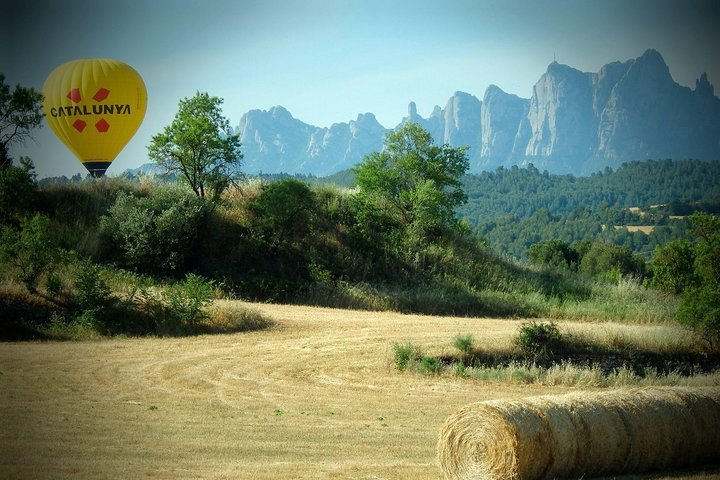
[(582, 434)]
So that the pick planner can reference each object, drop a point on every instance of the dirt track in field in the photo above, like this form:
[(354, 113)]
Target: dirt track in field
[(315, 396)]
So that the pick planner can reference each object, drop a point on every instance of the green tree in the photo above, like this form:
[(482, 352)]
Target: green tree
[(199, 146), (553, 253), (157, 233), (284, 210), (700, 304), (417, 181), (20, 113), (700, 310), (611, 261), (30, 251), (707, 248), (673, 266), (17, 190)]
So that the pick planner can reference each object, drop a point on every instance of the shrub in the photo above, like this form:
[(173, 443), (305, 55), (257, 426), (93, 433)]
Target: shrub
[(700, 304), (612, 261), (539, 339), (706, 228), (700, 311), (157, 233), (430, 365), (17, 188), (284, 210), (553, 253), (31, 250), (673, 266), (92, 292), (406, 355), (187, 300), (464, 343)]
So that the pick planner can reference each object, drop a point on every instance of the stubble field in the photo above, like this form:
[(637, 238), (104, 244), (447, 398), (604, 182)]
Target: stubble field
[(315, 396)]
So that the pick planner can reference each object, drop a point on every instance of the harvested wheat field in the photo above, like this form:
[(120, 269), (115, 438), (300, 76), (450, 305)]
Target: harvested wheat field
[(316, 396)]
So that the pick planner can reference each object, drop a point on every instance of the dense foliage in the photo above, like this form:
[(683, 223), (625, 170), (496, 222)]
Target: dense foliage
[(524, 191), (199, 146), (138, 256), (414, 181), (516, 208), (153, 234), (17, 190), (512, 209), (20, 114), (691, 267)]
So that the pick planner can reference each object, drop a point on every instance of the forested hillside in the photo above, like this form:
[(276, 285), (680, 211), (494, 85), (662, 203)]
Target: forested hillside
[(524, 191), (518, 207)]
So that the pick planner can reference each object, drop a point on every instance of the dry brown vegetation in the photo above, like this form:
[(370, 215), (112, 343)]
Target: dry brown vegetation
[(315, 396), (580, 434)]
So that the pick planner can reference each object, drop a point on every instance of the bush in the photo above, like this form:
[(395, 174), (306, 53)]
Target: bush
[(30, 251), (539, 340), (406, 355), (700, 305), (464, 343), (228, 316), (156, 233), (612, 261), (187, 300), (284, 211), (700, 311), (673, 266), (430, 365), (17, 188), (92, 292), (554, 253)]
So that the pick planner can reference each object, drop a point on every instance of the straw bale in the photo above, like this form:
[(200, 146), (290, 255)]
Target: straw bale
[(582, 434)]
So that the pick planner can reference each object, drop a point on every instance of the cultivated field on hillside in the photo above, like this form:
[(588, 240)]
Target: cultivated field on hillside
[(315, 396)]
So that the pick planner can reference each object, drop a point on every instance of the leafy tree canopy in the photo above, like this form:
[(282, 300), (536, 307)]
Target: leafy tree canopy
[(415, 179), (700, 302), (199, 146), (20, 113)]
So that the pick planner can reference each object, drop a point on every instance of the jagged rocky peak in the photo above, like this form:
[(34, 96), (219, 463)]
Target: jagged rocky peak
[(463, 126), (654, 59), (575, 122), (412, 110), (650, 71), (492, 91), (605, 81), (367, 119), (280, 112), (367, 125), (561, 117), (460, 99), (703, 87), (462, 118), (501, 114)]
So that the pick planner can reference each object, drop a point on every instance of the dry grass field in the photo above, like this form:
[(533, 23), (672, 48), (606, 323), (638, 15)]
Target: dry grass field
[(314, 397)]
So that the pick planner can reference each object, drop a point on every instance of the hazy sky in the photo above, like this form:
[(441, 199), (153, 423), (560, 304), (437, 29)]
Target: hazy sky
[(327, 61)]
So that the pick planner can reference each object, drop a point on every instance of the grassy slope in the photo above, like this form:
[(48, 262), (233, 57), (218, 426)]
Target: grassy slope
[(324, 266), (315, 397)]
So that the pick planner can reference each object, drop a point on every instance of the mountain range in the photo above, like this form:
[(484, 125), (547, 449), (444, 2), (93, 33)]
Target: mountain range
[(575, 122)]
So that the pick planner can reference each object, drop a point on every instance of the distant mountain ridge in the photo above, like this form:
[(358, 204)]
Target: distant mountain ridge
[(575, 122)]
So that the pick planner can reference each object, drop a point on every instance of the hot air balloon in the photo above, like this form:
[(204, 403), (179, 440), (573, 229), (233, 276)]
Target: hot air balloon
[(94, 106)]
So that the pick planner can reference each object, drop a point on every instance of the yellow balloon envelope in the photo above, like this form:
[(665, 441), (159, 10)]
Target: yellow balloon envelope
[(94, 106)]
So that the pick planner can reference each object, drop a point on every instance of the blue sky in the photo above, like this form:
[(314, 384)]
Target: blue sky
[(328, 61)]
